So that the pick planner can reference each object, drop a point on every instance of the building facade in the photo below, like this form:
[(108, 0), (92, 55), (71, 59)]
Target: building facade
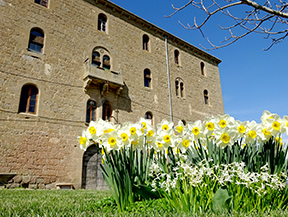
[(65, 63)]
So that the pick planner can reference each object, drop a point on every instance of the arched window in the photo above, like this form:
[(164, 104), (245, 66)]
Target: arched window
[(42, 2), (176, 56), (149, 116), (102, 21), (206, 97), (107, 112), (28, 99), (147, 78), (106, 62), (184, 122), (202, 68), (36, 40), (91, 111), (179, 87), (96, 58), (145, 42)]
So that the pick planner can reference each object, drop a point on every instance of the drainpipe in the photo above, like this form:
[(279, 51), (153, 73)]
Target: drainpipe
[(168, 73)]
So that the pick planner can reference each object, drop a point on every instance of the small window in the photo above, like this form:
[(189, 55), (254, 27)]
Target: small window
[(184, 122), (36, 40), (202, 68), (176, 56), (28, 99), (145, 42), (106, 62), (42, 2), (149, 116), (91, 111), (206, 97), (107, 112), (179, 87), (147, 78), (96, 58), (102, 21)]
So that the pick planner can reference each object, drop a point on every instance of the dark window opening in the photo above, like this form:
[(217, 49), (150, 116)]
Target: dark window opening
[(206, 97), (181, 89), (176, 56), (147, 78), (177, 87), (96, 59), (28, 99), (102, 20), (91, 111), (106, 62), (107, 112), (202, 68), (42, 2), (36, 40), (145, 42), (149, 116)]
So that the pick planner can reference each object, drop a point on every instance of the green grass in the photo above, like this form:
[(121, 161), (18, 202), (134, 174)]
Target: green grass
[(23, 202)]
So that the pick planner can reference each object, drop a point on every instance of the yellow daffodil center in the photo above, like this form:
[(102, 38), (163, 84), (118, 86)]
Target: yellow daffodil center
[(124, 136), (150, 133), (287, 124), (270, 117), (195, 131), (279, 140), (177, 151), (112, 141), (266, 132), (241, 129), (135, 142), (165, 127), (222, 123), (92, 130), (166, 138), (132, 130), (108, 131), (142, 130), (252, 134), (186, 143), (159, 144), (276, 125), (179, 129), (82, 140), (210, 126), (225, 138), (144, 125)]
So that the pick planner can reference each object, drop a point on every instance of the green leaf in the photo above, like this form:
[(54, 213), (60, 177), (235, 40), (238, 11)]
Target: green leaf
[(220, 200)]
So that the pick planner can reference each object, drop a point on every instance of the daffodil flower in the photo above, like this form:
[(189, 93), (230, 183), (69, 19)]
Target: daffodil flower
[(83, 140)]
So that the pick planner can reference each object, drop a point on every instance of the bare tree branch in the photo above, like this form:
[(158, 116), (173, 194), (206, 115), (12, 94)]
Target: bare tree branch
[(267, 18)]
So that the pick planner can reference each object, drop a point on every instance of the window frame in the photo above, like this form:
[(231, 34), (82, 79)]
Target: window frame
[(33, 38), (90, 109), (202, 65), (177, 57), (206, 97), (104, 112), (147, 115), (102, 23), (43, 3), (145, 42), (179, 88), (147, 78)]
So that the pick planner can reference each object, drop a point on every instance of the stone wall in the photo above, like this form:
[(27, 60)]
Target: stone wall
[(42, 148)]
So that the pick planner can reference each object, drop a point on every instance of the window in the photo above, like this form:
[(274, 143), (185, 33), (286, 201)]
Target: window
[(179, 87), (42, 2), (149, 116), (36, 40), (206, 97), (102, 20), (107, 112), (202, 68), (147, 78), (28, 99), (184, 122), (96, 58), (176, 56), (145, 42), (106, 62), (91, 111)]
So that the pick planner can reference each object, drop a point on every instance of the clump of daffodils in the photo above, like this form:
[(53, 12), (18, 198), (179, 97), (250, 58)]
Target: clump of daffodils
[(224, 130)]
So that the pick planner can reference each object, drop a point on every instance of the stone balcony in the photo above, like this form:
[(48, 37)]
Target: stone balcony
[(103, 77)]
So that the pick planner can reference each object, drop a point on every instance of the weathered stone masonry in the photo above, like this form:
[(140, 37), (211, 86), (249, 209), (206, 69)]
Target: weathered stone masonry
[(42, 148)]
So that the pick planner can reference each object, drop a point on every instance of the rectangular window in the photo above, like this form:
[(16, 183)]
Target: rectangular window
[(42, 2)]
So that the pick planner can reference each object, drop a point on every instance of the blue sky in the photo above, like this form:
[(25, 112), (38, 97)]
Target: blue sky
[(252, 80)]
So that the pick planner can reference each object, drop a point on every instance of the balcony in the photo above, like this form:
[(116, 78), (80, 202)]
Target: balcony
[(103, 77)]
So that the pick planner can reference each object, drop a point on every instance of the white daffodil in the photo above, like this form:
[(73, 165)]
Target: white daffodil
[(241, 127), (181, 128), (276, 125), (185, 143), (83, 140), (225, 137), (223, 121), (146, 124), (150, 137), (196, 130), (266, 115), (164, 125), (252, 133), (285, 123), (167, 138), (111, 141), (95, 130), (209, 126)]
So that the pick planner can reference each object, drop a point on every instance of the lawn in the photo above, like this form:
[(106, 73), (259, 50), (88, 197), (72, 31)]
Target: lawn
[(22, 202)]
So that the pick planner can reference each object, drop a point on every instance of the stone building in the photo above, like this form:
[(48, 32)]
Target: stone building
[(65, 63)]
